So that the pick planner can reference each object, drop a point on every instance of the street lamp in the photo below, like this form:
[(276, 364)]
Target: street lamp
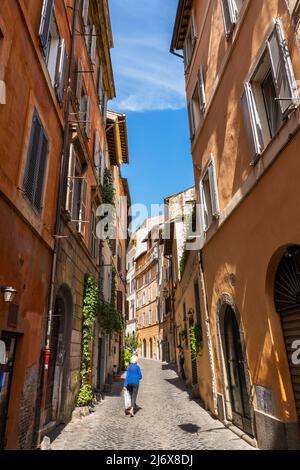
[(191, 313), (165, 293), (8, 293)]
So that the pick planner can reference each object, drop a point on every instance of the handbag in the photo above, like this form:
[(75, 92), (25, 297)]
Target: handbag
[(127, 399)]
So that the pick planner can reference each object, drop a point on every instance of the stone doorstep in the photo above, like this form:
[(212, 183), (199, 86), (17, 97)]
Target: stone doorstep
[(43, 439), (250, 440)]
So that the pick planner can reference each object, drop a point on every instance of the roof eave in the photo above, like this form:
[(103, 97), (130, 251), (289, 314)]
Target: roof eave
[(183, 7)]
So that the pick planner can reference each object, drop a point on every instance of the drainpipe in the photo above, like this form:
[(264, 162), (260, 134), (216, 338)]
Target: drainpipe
[(176, 54), (61, 196), (208, 333)]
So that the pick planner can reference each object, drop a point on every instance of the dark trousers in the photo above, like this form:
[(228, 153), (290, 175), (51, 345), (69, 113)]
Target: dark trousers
[(133, 390), (181, 371)]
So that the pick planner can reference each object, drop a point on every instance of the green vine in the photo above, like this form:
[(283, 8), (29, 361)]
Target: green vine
[(108, 191), (196, 339), (90, 307), (132, 343), (183, 260), (126, 356), (111, 320)]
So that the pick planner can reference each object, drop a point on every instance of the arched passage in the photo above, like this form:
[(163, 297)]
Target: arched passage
[(144, 348), (234, 366), (287, 304), (61, 330)]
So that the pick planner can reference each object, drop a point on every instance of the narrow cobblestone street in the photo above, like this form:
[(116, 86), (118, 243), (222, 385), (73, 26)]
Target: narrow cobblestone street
[(167, 419)]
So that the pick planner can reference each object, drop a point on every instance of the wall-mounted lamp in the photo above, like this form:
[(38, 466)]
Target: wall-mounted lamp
[(165, 293), (9, 293), (191, 312)]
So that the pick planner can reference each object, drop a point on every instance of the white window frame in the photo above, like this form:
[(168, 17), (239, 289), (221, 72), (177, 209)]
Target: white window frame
[(190, 41), (230, 16), (200, 89), (210, 171), (253, 121)]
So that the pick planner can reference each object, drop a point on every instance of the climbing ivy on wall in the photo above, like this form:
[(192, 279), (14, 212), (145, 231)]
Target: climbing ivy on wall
[(108, 191), (90, 307), (111, 320), (195, 339)]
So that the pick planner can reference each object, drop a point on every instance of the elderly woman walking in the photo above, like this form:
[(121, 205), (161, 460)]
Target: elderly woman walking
[(131, 385)]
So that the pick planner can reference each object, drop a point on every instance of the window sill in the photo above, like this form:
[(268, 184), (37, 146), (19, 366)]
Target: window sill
[(285, 122)]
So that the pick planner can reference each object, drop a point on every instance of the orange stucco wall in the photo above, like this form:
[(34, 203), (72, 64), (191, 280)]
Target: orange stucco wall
[(26, 237), (260, 220)]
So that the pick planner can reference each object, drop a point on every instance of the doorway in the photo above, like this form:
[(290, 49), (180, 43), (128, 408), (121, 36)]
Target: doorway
[(151, 348), (6, 375), (236, 375), (144, 348), (57, 385)]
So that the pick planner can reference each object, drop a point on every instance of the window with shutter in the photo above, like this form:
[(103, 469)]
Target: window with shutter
[(252, 123), (93, 45), (70, 182), (76, 198), (44, 31), (229, 16), (88, 37), (197, 105), (54, 49), (34, 177), (270, 94), (93, 229), (84, 9), (78, 81), (190, 41), (213, 189), (103, 161), (97, 156), (193, 28), (230, 12), (201, 86), (99, 83), (191, 120), (83, 108), (209, 199), (104, 106), (82, 211), (88, 118), (282, 69), (61, 70), (85, 112)]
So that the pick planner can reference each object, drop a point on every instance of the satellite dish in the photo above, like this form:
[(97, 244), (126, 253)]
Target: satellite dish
[(2, 353)]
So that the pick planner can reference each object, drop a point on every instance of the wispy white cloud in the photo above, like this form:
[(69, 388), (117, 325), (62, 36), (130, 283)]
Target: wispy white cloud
[(147, 76)]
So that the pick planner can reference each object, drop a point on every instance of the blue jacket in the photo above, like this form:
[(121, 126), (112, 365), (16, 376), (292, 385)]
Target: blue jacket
[(133, 375)]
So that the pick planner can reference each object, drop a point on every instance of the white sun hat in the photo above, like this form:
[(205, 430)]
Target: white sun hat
[(133, 359)]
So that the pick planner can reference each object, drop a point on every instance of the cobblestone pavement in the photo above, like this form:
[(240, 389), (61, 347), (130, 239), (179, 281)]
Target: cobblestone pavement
[(167, 419)]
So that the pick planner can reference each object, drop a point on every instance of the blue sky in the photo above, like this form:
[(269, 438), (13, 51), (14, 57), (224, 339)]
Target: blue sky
[(150, 91)]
